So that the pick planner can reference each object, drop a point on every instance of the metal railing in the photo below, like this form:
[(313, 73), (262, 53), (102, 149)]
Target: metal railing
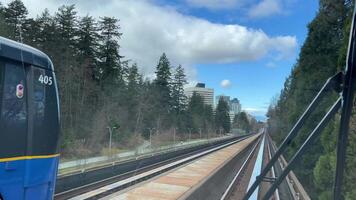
[(342, 82)]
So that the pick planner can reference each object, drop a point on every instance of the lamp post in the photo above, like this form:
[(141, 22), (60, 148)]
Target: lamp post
[(174, 137), (110, 137), (190, 133), (151, 129)]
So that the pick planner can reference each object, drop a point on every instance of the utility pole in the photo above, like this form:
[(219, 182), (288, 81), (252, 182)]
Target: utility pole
[(151, 129), (190, 133), (110, 137), (174, 136)]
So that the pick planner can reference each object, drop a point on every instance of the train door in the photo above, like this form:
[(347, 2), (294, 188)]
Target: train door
[(13, 128)]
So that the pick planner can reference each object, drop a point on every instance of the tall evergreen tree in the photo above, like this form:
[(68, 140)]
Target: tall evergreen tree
[(241, 122), (179, 100), (5, 29), (222, 117), (162, 85), (47, 33), (195, 111), (15, 17), (87, 37), (110, 67), (67, 24)]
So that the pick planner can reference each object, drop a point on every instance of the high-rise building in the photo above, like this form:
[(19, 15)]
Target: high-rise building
[(206, 93), (235, 106)]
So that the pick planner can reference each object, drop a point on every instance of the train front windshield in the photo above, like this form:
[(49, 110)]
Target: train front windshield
[(29, 110)]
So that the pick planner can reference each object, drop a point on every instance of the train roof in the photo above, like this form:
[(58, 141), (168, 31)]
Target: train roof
[(13, 50)]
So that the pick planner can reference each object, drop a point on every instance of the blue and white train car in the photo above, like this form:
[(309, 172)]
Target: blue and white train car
[(29, 123)]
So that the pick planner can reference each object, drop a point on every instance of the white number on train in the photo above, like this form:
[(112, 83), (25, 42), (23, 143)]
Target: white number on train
[(47, 80)]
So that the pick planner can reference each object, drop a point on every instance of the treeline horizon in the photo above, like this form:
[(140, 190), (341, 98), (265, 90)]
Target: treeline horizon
[(99, 88), (322, 55)]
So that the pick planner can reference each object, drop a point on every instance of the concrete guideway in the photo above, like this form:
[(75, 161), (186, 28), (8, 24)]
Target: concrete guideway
[(182, 182), (75, 184), (80, 164)]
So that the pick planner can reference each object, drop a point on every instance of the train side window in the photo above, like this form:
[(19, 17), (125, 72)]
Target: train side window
[(45, 116), (13, 116)]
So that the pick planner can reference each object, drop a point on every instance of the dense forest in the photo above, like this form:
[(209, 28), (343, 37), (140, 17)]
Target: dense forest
[(322, 55), (101, 89)]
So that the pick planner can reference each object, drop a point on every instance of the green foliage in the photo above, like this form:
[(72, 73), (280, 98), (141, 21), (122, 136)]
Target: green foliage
[(110, 67), (200, 116), (99, 89), (241, 122), (15, 17), (321, 56), (222, 118)]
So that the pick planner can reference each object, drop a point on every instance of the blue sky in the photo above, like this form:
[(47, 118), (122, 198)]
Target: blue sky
[(255, 82), (251, 44)]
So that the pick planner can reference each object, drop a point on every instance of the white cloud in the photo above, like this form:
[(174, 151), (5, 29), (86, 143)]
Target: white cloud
[(225, 83), (216, 4), (149, 30), (271, 65), (256, 111), (265, 8)]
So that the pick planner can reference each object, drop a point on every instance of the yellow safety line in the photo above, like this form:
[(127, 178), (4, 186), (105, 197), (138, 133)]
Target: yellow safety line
[(27, 157)]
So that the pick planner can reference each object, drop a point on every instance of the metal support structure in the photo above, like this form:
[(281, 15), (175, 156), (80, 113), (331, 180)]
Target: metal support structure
[(331, 83), (316, 132), (341, 82), (347, 102)]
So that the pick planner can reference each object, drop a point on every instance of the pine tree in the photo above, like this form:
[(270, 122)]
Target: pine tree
[(163, 86), (179, 100), (5, 29), (195, 111), (15, 17), (110, 67), (241, 122), (222, 118), (67, 25), (88, 36), (47, 33)]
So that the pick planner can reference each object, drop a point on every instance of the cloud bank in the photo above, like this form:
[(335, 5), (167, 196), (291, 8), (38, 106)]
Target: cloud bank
[(149, 30)]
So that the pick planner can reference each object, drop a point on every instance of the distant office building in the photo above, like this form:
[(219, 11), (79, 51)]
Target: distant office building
[(206, 93), (235, 106)]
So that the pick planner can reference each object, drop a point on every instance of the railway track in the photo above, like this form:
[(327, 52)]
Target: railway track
[(289, 189), (141, 170), (238, 184)]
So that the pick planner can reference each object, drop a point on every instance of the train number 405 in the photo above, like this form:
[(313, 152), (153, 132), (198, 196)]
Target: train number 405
[(47, 80)]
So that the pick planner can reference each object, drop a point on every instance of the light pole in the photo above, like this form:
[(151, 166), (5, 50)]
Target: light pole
[(174, 136), (190, 133), (110, 137), (200, 133), (151, 129)]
